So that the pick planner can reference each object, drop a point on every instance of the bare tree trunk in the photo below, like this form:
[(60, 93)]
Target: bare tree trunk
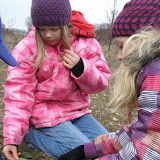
[(111, 14)]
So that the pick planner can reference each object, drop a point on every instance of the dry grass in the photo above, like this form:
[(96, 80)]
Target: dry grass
[(111, 121)]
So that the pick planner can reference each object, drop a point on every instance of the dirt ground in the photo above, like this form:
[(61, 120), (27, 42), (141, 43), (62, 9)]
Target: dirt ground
[(111, 121)]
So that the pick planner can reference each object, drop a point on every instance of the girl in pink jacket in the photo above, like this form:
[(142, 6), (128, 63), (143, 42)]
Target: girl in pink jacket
[(50, 87)]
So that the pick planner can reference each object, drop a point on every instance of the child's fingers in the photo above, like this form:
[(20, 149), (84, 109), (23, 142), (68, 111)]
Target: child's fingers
[(15, 154), (67, 65), (70, 53), (70, 61), (10, 152), (67, 60)]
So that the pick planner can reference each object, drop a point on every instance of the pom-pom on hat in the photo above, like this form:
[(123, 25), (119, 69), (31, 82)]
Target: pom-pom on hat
[(135, 15), (51, 12)]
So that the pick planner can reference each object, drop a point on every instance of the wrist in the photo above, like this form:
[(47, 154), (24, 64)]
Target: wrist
[(77, 70), (90, 150)]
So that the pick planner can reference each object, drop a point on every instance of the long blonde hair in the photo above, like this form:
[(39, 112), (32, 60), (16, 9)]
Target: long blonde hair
[(41, 46), (144, 47)]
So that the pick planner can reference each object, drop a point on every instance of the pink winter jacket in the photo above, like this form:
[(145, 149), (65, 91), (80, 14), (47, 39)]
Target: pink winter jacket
[(53, 94)]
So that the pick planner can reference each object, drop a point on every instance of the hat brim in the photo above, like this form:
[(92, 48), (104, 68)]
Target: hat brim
[(6, 56)]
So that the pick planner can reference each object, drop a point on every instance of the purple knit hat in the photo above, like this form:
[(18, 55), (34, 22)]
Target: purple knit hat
[(51, 12), (135, 15)]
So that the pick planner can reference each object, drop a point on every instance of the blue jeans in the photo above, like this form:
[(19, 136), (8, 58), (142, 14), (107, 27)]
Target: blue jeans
[(62, 138)]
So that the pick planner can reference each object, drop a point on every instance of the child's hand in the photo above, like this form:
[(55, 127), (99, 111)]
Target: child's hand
[(10, 152), (70, 59), (101, 138)]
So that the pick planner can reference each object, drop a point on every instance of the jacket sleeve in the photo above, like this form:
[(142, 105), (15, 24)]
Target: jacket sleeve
[(19, 88), (96, 73), (126, 153), (106, 147), (118, 146)]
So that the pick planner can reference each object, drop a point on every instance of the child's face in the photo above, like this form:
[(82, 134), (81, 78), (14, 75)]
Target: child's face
[(120, 42), (51, 34)]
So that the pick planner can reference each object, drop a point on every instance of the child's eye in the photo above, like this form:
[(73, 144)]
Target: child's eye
[(41, 29), (121, 47), (55, 29)]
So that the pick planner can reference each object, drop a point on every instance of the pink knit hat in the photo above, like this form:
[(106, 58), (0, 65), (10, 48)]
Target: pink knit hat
[(135, 15), (51, 12)]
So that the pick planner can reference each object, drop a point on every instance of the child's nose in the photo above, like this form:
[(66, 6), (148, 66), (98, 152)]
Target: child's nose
[(120, 56), (48, 34)]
